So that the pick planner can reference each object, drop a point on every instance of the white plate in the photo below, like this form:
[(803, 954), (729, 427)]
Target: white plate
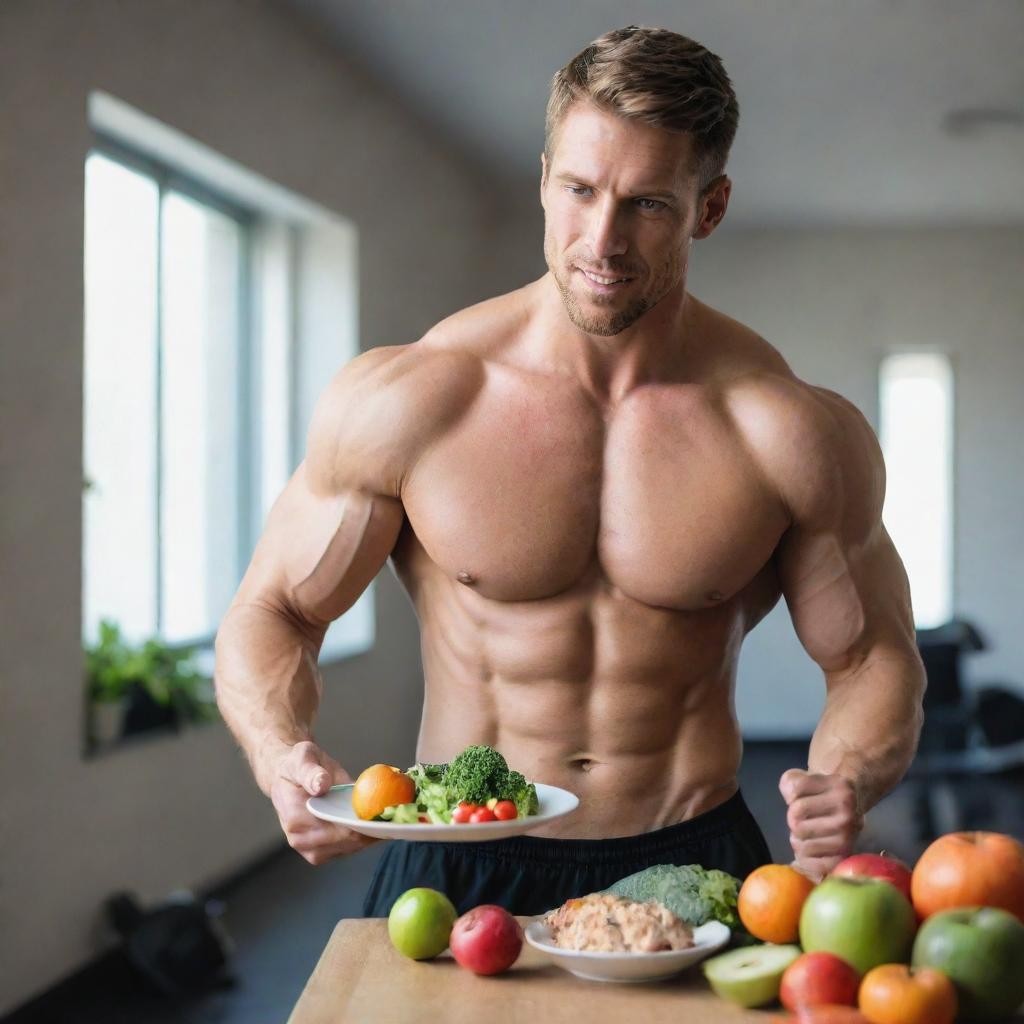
[(633, 967), (337, 806)]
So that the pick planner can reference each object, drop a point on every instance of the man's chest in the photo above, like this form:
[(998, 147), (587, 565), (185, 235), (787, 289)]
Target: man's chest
[(527, 493)]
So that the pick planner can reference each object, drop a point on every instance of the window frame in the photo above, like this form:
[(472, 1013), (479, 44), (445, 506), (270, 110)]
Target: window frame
[(168, 179)]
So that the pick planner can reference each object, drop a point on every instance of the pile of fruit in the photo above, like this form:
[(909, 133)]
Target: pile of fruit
[(423, 923), (883, 944)]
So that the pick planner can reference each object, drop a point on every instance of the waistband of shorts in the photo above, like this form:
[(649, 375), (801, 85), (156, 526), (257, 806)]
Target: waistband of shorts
[(721, 820)]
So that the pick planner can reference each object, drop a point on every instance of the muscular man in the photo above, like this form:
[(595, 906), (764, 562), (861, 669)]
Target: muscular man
[(592, 488)]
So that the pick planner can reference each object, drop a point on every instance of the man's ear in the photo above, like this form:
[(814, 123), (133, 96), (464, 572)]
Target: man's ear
[(712, 206)]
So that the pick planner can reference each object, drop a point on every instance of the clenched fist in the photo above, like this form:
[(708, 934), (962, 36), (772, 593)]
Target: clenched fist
[(304, 771), (823, 818)]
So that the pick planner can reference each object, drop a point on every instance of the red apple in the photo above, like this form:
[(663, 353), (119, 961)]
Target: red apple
[(876, 865), (486, 939), (815, 979)]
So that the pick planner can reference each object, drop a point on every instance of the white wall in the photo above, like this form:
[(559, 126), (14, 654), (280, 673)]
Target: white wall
[(832, 302), (253, 83)]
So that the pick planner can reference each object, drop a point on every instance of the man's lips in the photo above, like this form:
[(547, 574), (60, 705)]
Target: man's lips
[(604, 283)]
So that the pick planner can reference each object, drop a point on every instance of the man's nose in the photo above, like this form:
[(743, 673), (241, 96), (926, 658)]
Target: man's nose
[(607, 237)]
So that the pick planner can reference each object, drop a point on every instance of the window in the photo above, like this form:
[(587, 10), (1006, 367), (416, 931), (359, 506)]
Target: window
[(217, 307), (916, 405), (165, 348)]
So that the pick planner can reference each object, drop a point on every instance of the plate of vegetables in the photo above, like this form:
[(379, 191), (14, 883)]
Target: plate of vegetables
[(475, 797)]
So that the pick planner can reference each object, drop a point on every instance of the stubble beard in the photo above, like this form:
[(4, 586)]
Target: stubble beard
[(615, 320)]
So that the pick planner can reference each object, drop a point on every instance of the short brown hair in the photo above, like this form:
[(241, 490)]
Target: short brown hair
[(658, 77)]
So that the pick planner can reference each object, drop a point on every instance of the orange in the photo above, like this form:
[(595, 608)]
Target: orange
[(380, 786), (770, 902), (895, 994)]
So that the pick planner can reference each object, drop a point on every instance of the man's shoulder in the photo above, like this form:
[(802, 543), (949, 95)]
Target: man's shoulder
[(484, 330), (825, 460), (383, 408), (813, 445), (757, 384), (451, 355), (773, 406)]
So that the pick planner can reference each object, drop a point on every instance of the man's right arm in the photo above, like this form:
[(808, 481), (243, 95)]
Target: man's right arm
[(327, 536), (319, 551)]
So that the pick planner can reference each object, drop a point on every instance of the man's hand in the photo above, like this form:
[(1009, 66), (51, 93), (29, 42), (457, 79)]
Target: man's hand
[(305, 771), (823, 819)]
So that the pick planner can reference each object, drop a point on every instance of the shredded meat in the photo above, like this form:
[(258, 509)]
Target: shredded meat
[(604, 923)]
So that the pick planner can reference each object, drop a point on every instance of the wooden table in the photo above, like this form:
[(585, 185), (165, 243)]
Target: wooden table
[(362, 979)]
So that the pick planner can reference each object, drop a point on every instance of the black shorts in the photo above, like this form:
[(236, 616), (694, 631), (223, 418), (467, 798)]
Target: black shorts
[(531, 875)]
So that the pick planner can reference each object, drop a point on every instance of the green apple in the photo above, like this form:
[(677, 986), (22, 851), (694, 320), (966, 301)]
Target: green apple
[(750, 976), (420, 923), (865, 921), (981, 950)]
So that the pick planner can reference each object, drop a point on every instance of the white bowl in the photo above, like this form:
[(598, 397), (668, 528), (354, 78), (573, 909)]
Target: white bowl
[(630, 967)]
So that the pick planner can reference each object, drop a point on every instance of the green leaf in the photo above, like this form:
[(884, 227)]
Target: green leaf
[(168, 674)]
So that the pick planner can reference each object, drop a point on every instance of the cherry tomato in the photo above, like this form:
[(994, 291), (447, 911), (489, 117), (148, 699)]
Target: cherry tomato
[(461, 813), (424, 820), (505, 810), (482, 814)]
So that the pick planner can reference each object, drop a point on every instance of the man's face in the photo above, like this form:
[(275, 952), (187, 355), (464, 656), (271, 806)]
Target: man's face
[(620, 201)]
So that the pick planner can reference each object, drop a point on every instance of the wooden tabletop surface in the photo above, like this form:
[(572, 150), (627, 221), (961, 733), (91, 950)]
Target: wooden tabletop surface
[(362, 979)]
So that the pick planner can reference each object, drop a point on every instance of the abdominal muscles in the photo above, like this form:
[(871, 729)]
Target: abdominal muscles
[(626, 705)]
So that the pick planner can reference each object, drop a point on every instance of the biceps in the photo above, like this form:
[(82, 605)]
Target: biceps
[(318, 552), (846, 601)]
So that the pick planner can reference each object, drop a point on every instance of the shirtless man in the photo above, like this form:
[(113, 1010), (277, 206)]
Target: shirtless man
[(592, 488)]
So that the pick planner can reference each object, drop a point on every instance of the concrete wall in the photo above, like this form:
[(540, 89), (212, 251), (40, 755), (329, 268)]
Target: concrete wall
[(260, 87), (833, 302)]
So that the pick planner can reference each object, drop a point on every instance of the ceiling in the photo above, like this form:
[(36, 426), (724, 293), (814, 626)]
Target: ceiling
[(843, 104)]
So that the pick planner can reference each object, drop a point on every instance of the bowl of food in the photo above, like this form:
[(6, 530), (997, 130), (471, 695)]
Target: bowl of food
[(607, 937)]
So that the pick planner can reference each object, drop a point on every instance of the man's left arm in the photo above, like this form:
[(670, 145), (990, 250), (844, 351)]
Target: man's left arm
[(849, 600)]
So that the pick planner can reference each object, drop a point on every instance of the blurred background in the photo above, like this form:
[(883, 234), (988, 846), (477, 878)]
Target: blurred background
[(206, 209)]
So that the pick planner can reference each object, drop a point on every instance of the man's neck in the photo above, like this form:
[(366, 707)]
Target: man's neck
[(612, 366)]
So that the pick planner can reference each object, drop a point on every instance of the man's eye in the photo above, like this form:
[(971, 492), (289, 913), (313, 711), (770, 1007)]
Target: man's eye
[(651, 205)]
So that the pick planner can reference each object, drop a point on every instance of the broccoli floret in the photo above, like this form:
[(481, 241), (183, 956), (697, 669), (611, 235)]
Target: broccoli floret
[(522, 793), (475, 775)]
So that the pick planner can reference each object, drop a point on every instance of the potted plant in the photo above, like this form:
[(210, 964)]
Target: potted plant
[(132, 689)]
